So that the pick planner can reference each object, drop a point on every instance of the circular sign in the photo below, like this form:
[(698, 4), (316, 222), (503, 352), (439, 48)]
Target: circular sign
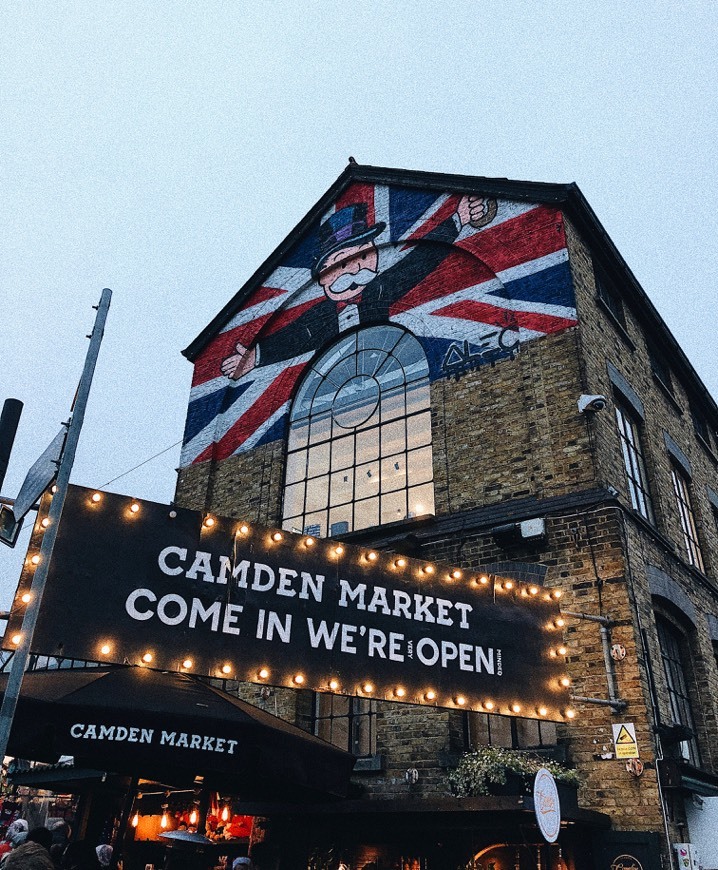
[(546, 805)]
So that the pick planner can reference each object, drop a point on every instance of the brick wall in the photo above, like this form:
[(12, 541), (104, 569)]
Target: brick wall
[(512, 431)]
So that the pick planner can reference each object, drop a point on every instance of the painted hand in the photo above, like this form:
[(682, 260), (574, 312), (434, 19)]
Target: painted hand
[(476, 210), (238, 363)]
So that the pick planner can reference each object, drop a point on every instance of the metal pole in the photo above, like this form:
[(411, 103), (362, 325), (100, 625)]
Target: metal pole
[(22, 652), (9, 420)]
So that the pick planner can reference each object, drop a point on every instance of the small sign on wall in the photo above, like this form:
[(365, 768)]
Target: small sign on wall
[(624, 739)]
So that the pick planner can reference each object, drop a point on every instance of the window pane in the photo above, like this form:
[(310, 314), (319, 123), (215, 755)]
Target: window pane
[(296, 466), (419, 428), (367, 446), (366, 513), (393, 507), (419, 465), (393, 473), (417, 397), (317, 493), (366, 480), (294, 499), (318, 460), (392, 405), (342, 487), (340, 520), (314, 524), (421, 500), (343, 452), (393, 438), (320, 428)]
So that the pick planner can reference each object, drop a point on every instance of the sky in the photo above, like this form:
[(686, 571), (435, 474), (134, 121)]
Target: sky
[(165, 149)]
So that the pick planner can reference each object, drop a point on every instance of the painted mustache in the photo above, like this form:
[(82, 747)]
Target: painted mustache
[(346, 281)]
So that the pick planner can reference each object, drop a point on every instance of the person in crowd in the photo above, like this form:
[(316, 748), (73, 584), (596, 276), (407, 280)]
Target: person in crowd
[(41, 836), (29, 856), (80, 855), (15, 836)]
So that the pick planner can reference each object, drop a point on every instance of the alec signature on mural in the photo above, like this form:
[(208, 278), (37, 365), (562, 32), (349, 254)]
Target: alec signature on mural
[(356, 290)]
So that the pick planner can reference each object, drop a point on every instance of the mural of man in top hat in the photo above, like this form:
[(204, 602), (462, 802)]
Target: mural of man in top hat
[(356, 291)]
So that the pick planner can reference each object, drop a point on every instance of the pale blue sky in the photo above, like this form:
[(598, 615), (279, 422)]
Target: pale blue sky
[(164, 149)]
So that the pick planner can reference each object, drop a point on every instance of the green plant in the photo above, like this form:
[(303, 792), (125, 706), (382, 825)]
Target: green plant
[(485, 766)]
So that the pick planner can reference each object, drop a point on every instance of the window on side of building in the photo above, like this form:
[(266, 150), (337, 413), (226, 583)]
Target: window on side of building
[(676, 658), (359, 448), (700, 427), (660, 368), (610, 296), (681, 488), (629, 431), (347, 722), (510, 732)]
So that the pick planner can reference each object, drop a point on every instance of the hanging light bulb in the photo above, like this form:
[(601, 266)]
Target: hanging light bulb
[(164, 820), (193, 817), (225, 813), (135, 820)]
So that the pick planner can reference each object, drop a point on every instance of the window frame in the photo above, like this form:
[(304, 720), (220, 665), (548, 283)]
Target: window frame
[(360, 713), (341, 475), (674, 648), (630, 435), (686, 517)]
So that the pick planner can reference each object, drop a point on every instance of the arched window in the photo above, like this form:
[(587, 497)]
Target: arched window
[(359, 449)]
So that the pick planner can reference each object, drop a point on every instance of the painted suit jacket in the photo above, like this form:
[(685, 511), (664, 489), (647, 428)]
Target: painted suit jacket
[(320, 323)]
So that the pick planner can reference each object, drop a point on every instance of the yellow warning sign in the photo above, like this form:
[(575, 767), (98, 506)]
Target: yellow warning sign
[(624, 740)]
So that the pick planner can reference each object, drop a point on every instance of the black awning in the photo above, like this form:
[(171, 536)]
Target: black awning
[(171, 727)]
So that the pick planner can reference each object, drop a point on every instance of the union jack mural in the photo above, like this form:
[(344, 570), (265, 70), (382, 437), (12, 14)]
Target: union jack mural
[(472, 278)]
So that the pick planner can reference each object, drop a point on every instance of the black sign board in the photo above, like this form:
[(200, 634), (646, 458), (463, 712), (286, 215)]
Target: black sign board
[(140, 582)]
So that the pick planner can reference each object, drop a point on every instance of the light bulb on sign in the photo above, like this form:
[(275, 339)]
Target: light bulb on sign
[(226, 669), (26, 598), (338, 550), (277, 536), (299, 679), (430, 695), (134, 507), (147, 658), (209, 522), (45, 523), (96, 497), (187, 664), (263, 673), (368, 688), (105, 649)]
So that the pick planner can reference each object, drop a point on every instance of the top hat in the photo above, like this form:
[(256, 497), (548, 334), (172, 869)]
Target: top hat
[(344, 229)]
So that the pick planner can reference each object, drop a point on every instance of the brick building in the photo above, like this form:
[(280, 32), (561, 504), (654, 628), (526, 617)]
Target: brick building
[(412, 369)]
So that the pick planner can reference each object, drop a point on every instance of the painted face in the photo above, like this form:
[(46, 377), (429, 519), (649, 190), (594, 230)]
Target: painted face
[(348, 270)]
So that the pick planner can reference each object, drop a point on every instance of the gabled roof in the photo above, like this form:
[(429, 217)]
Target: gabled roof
[(568, 197)]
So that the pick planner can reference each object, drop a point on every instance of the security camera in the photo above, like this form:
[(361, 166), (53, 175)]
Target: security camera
[(591, 404)]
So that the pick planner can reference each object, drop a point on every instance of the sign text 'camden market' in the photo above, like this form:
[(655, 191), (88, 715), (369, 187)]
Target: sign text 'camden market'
[(140, 582)]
